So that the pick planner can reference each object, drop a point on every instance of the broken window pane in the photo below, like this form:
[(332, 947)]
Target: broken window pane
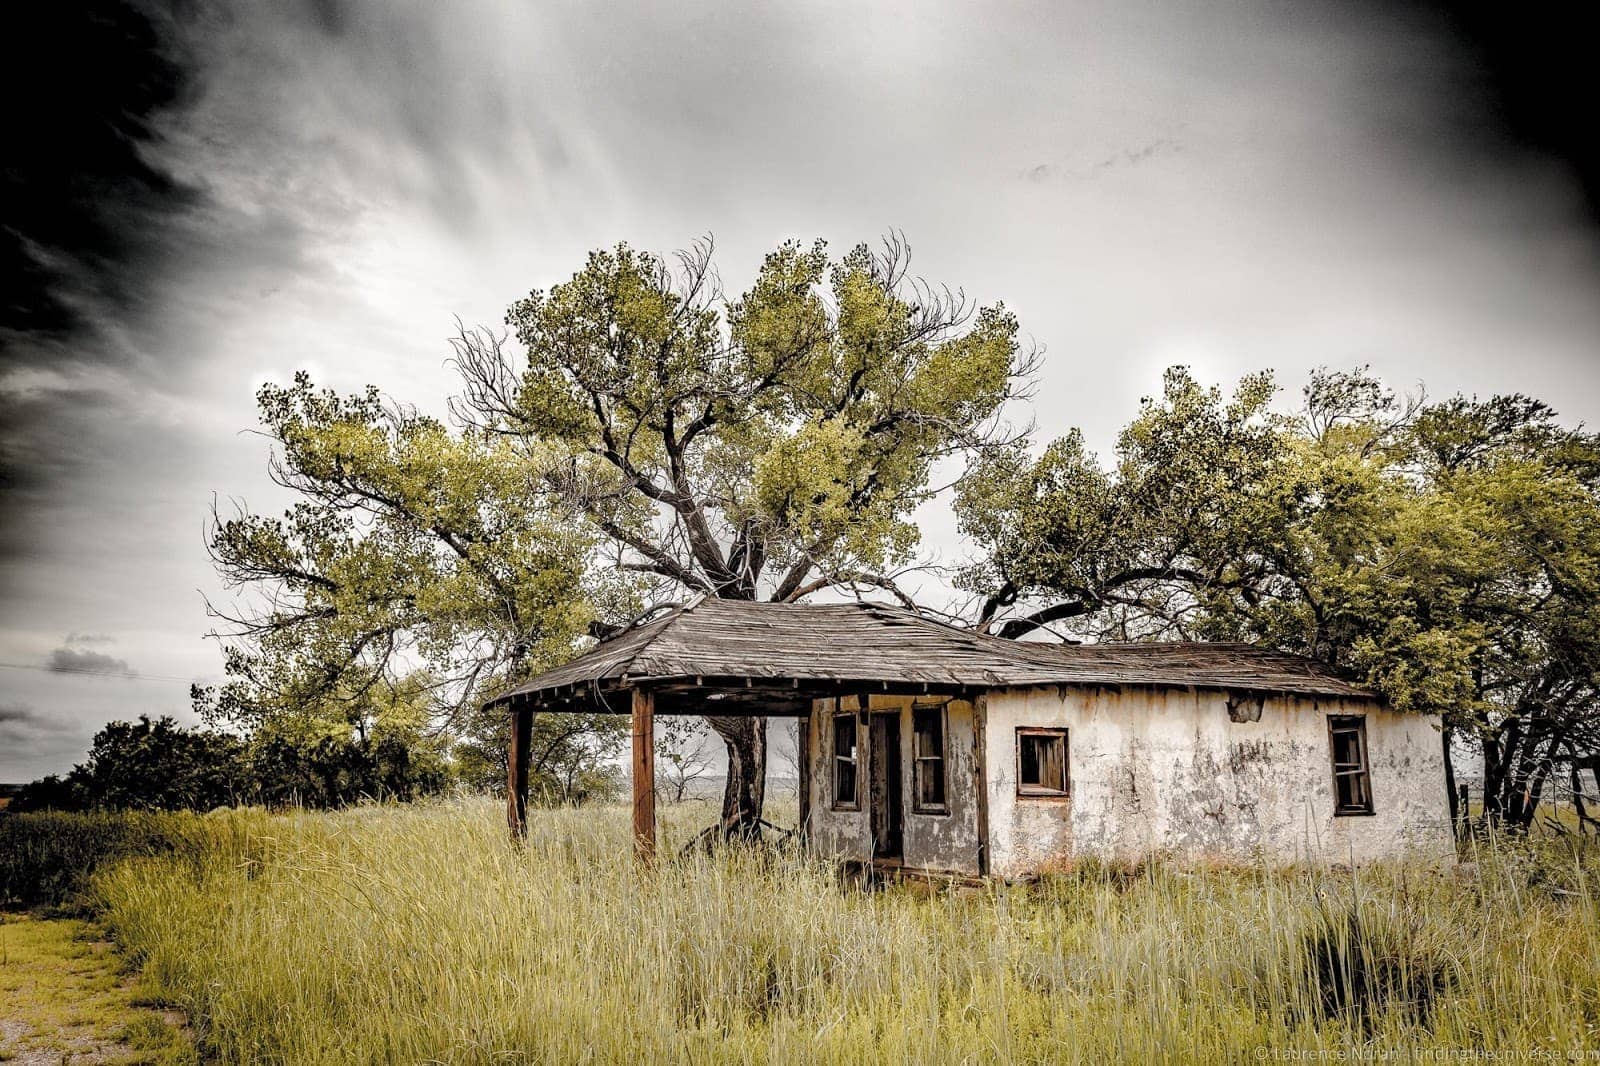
[(928, 786), (1352, 779), (1042, 762), (844, 760)]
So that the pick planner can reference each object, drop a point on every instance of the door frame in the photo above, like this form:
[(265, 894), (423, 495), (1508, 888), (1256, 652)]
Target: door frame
[(886, 782)]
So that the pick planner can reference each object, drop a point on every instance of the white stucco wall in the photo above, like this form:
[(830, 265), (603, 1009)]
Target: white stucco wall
[(1166, 770), (933, 841)]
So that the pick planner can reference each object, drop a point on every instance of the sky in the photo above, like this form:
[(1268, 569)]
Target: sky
[(202, 198)]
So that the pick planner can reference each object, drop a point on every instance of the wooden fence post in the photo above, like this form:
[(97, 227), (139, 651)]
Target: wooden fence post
[(644, 775)]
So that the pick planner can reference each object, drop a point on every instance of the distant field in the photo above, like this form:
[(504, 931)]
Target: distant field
[(420, 934)]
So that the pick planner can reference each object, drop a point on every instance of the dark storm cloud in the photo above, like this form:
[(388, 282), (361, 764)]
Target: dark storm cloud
[(173, 163), (50, 445), (86, 86), (68, 660), (30, 739), (53, 449), (20, 723), (1499, 86), (13, 713), (120, 244), (1538, 80), (93, 222)]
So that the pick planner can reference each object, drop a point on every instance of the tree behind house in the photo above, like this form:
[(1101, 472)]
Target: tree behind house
[(1448, 554), (652, 440)]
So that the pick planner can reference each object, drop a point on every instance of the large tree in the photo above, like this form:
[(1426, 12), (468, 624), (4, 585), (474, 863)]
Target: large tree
[(1447, 553), (645, 440), (420, 564), (765, 447), (1189, 510)]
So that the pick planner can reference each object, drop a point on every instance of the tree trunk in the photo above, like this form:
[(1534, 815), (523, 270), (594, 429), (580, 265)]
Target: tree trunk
[(1532, 781), (1456, 814), (1518, 782), (745, 792), (1498, 752)]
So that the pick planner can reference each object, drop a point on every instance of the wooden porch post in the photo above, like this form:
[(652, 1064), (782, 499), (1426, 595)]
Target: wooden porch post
[(644, 775), (980, 777), (803, 757), (517, 771)]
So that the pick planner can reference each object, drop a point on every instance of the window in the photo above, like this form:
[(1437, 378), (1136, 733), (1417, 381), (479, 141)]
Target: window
[(927, 738), (1041, 762), (1352, 782), (844, 759)]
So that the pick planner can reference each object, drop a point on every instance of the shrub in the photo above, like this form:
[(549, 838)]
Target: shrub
[(159, 765)]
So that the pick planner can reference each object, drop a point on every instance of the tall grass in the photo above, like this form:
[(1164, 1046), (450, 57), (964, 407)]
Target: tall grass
[(420, 934), (47, 858)]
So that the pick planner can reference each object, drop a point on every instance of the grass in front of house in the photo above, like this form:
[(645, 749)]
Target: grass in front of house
[(421, 934), (63, 999)]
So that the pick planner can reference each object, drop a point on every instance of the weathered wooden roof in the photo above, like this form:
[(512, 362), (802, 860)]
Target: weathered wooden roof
[(809, 646)]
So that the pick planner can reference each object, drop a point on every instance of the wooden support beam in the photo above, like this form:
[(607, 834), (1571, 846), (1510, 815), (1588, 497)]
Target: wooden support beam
[(804, 758), (517, 770), (644, 775), (980, 778)]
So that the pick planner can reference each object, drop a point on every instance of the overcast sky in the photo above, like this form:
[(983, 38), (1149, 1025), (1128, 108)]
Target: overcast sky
[(200, 202)]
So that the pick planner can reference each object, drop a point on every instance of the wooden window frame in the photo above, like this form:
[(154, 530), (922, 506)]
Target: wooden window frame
[(1033, 791), (918, 760), (1362, 769), (853, 803)]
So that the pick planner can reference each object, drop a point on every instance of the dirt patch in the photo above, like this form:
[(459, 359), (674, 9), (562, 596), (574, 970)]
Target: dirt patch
[(67, 1000)]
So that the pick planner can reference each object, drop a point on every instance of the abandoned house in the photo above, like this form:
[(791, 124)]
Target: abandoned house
[(930, 747)]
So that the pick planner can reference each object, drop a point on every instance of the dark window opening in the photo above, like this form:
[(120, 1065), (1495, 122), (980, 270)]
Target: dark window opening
[(844, 760), (1041, 762), (1352, 778), (928, 784)]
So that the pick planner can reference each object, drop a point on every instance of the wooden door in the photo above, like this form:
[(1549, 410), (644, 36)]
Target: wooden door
[(886, 787)]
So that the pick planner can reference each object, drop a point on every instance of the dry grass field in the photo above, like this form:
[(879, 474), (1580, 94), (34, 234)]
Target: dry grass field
[(420, 934)]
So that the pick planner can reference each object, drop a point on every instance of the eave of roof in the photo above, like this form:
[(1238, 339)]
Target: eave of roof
[(872, 644)]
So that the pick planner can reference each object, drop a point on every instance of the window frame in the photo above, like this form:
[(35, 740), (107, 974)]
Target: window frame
[(853, 803), (1355, 724), (940, 711), (1027, 790)]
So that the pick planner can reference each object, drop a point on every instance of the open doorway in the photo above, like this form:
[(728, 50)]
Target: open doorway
[(884, 787)]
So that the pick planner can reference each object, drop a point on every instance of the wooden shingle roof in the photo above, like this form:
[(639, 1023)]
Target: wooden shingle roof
[(814, 645)]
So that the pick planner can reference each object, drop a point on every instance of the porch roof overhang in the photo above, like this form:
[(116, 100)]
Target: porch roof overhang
[(728, 657)]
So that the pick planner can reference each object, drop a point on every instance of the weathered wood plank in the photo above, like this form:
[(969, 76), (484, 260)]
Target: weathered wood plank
[(804, 785), (644, 775), (517, 770), (980, 777), (875, 644)]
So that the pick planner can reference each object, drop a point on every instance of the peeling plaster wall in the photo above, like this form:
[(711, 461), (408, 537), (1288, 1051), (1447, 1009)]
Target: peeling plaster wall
[(1159, 769), (841, 833), (934, 841)]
